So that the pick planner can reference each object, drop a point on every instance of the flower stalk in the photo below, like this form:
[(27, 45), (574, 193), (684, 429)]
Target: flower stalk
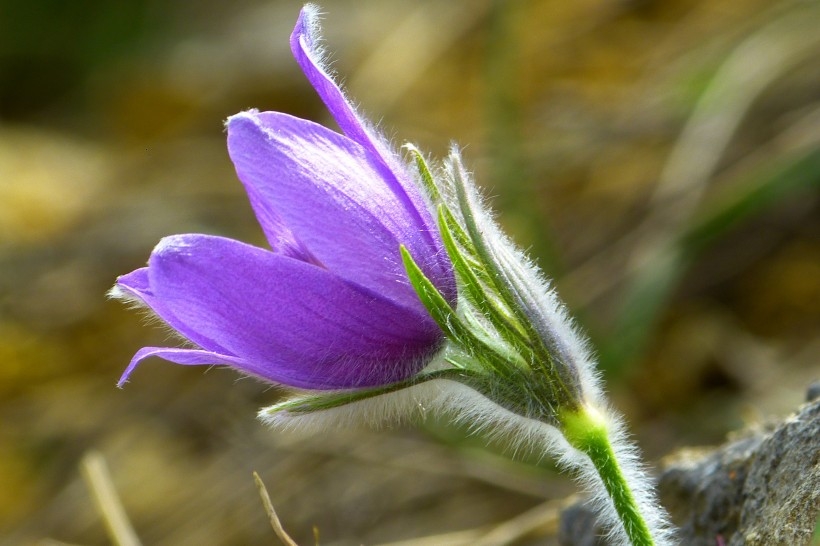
[(586, 431)]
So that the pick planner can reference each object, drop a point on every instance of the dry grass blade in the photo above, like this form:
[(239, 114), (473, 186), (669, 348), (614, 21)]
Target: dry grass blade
[(96, 474), (543, 517), (457, 538), (274, 519)]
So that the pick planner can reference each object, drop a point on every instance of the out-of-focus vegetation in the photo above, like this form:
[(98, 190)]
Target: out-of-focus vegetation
[(660, 159)]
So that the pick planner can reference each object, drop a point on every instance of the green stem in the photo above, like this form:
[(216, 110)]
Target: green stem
[(585, 429)]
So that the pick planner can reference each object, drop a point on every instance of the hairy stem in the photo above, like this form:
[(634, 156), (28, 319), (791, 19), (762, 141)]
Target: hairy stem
[(586, 430)]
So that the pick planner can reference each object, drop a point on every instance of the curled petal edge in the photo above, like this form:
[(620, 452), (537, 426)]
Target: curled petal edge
[(186, 357)]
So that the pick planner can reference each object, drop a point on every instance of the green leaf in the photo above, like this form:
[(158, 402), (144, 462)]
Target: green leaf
[(483, 348), (509, 289), (429, 295), (511, 283), (426, 175), (485, 301)]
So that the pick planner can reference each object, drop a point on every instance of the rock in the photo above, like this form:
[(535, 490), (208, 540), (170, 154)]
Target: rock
[(703, 490), (579, 528), (813, 392), (781, 496), (762, 488)]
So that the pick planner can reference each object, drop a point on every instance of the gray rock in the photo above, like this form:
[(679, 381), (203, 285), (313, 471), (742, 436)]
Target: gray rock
[(579, 528), (782, 492), (813, 392), (703, 490)]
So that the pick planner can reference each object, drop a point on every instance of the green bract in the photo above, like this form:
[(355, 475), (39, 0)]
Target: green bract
[(493, 344)]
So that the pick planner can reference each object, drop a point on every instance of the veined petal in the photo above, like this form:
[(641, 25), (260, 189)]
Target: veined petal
[(136, 286), (303, 43), (186, 357), (330, 193), (285, 320)]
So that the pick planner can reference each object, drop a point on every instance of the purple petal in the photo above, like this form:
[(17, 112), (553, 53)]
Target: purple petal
[(303, 43), (331, 195), (137, 285), (186, 357), (304, 47), (286, 320)]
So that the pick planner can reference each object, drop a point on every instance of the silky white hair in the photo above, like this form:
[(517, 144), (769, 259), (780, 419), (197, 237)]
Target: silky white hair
[(465, 406)]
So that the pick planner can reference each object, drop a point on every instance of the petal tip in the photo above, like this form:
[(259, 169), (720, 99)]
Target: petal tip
[(306, 38), (131, 288), (171, 245), (248, 126), (247, 119), (123, 294), (307, 25), (116, 292), (249, 114), (126, 375)]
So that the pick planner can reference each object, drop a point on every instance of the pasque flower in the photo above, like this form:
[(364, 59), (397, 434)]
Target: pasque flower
[(388, 291), (328, 305)]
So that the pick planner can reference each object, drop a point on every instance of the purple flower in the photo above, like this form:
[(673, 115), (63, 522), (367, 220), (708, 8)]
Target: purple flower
[(329, 305)]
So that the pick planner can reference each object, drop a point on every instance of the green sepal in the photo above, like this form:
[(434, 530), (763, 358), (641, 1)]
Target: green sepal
[(426, 175), (508, 283), (328, 400), (474, 282), (496, 275), (464, 246), (430, 297), (485, 350)]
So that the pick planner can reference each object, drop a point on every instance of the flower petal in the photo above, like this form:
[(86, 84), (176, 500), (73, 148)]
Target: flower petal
[(330, 194), (136, 286), (303, 43), (186, 357), (286, 320)]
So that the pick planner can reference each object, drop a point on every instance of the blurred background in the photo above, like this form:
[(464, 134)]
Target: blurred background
[(659, 159)]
